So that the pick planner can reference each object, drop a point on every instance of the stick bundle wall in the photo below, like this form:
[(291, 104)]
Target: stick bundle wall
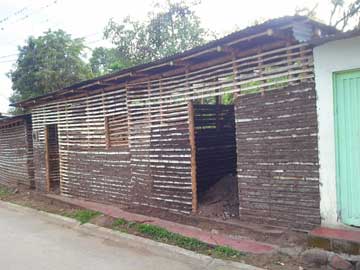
[(16, 161), (215, 143), (130, 143), (278, 168), (89, 168), (160, 151), (159, 122)]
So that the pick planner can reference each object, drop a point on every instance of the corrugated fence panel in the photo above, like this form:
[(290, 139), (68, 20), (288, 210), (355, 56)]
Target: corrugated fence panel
[(278, 164)]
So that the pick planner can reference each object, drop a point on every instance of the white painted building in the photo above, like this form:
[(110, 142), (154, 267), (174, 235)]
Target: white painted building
[(337, 76)]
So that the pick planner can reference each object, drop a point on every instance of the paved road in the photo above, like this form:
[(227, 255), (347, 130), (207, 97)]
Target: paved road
[(30, 241)]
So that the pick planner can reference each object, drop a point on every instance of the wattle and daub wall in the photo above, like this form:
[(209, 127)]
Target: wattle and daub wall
[(278, 167), (16, 157), (93, 165), (131, 144)]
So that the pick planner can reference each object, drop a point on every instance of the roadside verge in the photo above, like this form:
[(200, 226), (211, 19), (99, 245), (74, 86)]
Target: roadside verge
[(130, 240)]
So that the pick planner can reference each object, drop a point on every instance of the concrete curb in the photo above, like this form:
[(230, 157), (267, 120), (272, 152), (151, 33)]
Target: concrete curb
[(130, 240)]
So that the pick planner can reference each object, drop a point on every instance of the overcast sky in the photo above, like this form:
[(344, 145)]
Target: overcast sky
[(84, 18)]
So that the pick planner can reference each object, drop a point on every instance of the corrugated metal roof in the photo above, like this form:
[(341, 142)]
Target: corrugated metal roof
[(252, 30), (7, 119), (338, 36)]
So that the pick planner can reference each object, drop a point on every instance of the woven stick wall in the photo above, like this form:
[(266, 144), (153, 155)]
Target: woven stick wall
[(16, 164), (150, 163)]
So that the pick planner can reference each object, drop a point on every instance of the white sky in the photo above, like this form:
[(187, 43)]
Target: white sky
[(84, 18)]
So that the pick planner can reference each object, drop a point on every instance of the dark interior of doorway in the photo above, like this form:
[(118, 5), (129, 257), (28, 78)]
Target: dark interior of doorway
[(217, 188), (52, 159)]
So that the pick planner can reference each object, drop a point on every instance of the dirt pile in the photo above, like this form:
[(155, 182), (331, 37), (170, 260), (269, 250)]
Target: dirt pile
[(221, 200)]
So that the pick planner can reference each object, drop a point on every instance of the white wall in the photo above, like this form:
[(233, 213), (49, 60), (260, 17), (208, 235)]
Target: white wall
[(329, 58)]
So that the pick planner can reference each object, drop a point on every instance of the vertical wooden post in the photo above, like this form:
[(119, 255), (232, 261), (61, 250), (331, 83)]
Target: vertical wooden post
[(59, 136), (190, 92), (217, 97), (218, 107), (149, 101), (193, 157), (289, 58), (304, 64), (47, 163), (107, 133), (161, 101), (127, 114), (106, 122), (235, 74), (260, 66), (88, 128)]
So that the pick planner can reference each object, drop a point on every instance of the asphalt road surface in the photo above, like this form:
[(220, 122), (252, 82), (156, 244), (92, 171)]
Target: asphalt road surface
[(29, 241)]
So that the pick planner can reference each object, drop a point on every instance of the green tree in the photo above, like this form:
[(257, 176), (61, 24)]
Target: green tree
[(48, 63), (106, 60), (172, 29), (343, 16)]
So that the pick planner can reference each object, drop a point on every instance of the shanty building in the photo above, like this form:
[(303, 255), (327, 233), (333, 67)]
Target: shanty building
[(158, 135), (16, 151)]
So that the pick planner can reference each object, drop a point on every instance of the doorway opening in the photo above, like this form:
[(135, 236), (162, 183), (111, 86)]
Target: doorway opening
[(215, 151), (52, 159)]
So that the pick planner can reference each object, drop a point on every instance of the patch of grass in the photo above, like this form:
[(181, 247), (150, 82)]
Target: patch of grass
[(163, 235), (222, 251), (4, 192), (159, 234), (119, 222), (154, 232), (83, 216), (190, 243)]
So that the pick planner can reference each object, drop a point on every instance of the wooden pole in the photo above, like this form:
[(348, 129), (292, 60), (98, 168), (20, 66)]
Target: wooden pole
[(107, 133), (161, 108), (193, 157), (235, 74), (47, 163), (127, 114)]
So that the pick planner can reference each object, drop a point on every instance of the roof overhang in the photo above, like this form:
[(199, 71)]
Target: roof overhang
[(338, 36), (7, 121), (235, 43)]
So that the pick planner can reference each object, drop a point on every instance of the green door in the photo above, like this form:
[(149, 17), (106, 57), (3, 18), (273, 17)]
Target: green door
[(347, 138)]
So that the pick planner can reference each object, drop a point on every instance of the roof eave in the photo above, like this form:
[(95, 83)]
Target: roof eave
[(267, 28)]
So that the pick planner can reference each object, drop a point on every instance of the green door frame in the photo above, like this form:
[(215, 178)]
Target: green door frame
[(339, 193)]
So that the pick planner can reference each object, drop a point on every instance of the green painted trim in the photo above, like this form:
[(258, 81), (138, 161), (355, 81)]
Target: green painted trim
[(346, 74), (336, 133)]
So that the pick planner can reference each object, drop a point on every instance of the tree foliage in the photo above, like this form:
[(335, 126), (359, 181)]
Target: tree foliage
[(106, 60), (48, 63), (342, 14), (167, 30)]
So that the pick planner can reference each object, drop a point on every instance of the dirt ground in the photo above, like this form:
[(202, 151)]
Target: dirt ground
[(220, 200), (38, 201), (277, 261)]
